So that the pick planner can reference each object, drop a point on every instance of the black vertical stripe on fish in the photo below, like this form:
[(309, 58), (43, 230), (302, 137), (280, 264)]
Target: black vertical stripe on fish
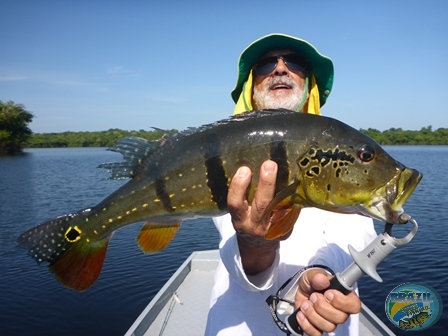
[(278, 153), (217, 181), (163, 195)]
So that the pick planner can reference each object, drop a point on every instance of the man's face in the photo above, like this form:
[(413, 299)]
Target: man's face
[(281, 88)]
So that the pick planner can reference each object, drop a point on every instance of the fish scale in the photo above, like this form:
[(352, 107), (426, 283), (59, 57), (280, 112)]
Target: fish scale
[(321, 162)]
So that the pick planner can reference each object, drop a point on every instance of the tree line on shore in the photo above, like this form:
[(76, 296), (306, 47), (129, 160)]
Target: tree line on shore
[(88, 139), (398, 136), (393, 136), (16, 135)]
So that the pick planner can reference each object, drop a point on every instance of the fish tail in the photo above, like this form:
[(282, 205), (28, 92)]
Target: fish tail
[(75, 260)]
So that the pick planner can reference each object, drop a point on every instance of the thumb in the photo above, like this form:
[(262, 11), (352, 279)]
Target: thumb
[(311, 281)]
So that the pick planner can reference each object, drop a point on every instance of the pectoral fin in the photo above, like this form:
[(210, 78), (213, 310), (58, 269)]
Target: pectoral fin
[(282, 212), (155, 237), (279, 198), (283, 221)]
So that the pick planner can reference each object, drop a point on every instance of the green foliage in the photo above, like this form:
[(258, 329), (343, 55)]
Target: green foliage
[(14, 130), (393, 136), (398, 136), (15, 134), (88, 139)]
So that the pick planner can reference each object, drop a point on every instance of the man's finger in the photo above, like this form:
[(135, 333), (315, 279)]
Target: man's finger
[(310, 322), (265, 190), (312, 280), (236, 199), (326, 311), (350, 303)]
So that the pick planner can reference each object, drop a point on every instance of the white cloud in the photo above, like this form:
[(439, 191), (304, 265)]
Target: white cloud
[(12, 78)]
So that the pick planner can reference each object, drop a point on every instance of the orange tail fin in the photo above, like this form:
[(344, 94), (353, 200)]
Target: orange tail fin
[(75, 260), (80, 266)]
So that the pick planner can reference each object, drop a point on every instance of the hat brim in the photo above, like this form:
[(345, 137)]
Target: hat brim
[(320, 65)]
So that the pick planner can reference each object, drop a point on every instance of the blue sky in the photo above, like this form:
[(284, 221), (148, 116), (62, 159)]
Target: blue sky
[(95, 65)]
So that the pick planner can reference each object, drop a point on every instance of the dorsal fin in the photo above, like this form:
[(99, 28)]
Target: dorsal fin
[(134, 150)]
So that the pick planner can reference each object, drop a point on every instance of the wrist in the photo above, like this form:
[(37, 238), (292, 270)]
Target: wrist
[(257, 254)]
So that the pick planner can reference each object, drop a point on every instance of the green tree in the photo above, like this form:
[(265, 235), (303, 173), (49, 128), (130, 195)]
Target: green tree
[(14, 130)]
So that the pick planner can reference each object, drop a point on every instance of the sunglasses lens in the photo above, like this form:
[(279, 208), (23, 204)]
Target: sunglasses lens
[(293, 62), (265, 66)]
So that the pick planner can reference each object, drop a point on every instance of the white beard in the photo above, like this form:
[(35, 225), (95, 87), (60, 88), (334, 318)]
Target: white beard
[(271, 99)]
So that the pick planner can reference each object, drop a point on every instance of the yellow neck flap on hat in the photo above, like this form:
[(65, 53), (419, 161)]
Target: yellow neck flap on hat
[(244, 102)]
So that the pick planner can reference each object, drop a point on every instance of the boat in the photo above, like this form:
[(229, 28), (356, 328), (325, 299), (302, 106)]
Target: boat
[(183, 303)]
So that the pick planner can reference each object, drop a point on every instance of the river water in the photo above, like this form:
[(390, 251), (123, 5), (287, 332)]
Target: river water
[(45, 183)]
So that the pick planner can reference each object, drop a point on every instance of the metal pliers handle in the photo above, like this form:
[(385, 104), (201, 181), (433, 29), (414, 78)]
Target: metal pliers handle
[(365, 261)]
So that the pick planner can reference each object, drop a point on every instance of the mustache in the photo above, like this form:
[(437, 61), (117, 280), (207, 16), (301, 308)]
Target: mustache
[(280, 80)]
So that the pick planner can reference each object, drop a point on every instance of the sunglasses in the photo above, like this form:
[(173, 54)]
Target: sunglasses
[(293, 62)]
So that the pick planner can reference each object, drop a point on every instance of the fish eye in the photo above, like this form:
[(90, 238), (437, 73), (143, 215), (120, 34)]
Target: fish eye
[(366, 153)]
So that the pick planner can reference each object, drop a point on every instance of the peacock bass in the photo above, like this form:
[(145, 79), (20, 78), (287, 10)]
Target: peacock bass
[(321, 162)]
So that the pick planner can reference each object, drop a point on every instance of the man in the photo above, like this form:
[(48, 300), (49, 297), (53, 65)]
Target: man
[(280, 71)]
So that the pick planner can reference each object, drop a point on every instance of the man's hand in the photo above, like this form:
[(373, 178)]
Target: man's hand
[(322, 312), (257, 253), (247, 219)]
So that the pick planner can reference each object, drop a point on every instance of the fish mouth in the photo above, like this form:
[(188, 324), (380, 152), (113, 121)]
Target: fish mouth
[(387, 201)]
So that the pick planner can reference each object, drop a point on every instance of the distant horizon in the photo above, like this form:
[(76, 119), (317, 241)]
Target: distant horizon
[(108, 138), (151, 130)]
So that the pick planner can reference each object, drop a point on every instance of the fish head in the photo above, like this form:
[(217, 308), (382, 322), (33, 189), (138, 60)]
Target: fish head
[(353, 174), (423, 317)]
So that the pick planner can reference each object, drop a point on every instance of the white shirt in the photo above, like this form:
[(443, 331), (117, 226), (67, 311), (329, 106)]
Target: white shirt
[(238, 303)]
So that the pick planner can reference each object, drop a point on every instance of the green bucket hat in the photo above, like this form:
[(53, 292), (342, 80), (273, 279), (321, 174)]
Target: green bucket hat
[(321, 66)]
